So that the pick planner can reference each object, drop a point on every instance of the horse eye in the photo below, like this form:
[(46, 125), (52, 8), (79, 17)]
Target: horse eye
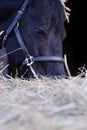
[(39, 31)]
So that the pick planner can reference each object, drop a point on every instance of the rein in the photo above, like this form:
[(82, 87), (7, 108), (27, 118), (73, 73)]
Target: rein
[(29, 60)]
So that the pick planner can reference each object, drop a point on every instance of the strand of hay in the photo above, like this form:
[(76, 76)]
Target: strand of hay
[(43, 104)]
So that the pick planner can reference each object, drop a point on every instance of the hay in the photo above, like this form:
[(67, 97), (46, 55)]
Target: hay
[(44, 104)]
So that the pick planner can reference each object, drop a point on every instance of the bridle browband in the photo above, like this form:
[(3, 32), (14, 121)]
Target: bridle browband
[(29, 60)]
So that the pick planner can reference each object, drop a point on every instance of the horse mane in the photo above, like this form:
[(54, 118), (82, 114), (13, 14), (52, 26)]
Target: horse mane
[(66, 10)]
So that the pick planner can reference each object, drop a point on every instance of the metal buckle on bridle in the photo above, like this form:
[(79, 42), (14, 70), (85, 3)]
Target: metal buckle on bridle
[(29, 60)]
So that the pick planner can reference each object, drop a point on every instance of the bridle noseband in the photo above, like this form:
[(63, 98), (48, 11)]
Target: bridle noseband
[(29, 60)]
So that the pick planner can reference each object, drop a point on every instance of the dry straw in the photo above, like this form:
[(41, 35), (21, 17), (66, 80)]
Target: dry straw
[(43, 104)]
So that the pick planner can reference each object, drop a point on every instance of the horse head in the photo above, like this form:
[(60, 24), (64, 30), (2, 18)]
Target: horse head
[(41, 30)]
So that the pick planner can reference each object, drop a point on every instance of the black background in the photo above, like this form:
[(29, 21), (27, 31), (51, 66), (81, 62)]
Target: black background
[(76, 40)]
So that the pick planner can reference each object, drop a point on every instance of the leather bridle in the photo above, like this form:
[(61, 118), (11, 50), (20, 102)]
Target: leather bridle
[(29, 60)]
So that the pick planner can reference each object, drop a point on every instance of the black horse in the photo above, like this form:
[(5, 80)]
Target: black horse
[(34, 32)]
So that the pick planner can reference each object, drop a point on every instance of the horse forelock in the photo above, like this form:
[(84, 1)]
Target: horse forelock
[(49, 10), (63, 2), (66, 9)]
